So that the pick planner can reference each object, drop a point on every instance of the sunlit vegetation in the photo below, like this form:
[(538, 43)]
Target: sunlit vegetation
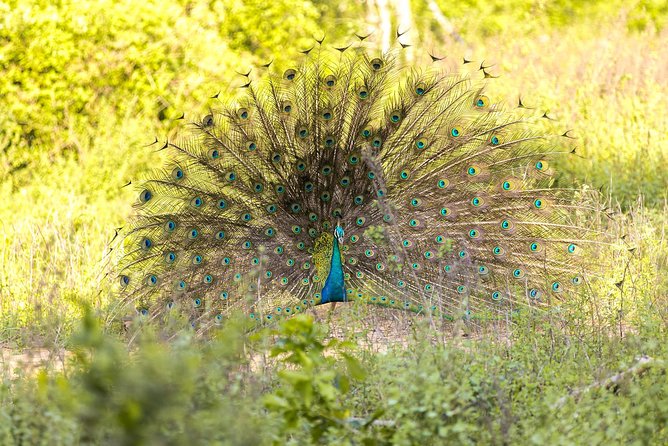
[(86, 87)]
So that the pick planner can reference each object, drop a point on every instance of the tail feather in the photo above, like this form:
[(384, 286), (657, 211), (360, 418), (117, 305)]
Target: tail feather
[(445, 199)]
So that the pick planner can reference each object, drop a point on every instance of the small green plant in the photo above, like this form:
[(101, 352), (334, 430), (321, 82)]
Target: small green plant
[(310, 397)]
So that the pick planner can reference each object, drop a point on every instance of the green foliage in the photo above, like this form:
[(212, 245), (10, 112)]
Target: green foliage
[(531, 16), (261, 27), (67, 67), (184, 393), (311, 393), (540, 380), (61, 64), (85, 85)]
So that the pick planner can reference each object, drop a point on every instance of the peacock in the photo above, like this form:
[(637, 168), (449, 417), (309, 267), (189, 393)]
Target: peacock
[(351, 176)]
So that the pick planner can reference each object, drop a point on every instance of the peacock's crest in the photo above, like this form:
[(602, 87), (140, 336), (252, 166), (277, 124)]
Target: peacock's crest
[(352, 177)]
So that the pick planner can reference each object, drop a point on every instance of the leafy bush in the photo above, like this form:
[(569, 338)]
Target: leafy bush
[(184, 393), (522, 385)]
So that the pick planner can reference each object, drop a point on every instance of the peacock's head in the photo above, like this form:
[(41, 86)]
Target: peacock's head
[(339, 233)]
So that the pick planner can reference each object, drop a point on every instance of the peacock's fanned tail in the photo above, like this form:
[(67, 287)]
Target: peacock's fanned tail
[(444, 201)]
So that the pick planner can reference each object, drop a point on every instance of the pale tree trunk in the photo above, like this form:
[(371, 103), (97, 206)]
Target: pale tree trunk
[(379, 17), (387, 17), (406, 24)]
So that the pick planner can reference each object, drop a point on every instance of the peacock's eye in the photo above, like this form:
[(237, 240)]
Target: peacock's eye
[(395, 117), (541, 166), (146, 243), (421, 144), (177, 173), (145, 196), (330, 81), (376, 64), (420, 89), (207, 121), (481, 102), (477, 201), (242, 113)]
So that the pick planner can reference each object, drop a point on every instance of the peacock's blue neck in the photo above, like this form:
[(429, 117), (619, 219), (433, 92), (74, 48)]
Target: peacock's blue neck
[(334, 289)]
